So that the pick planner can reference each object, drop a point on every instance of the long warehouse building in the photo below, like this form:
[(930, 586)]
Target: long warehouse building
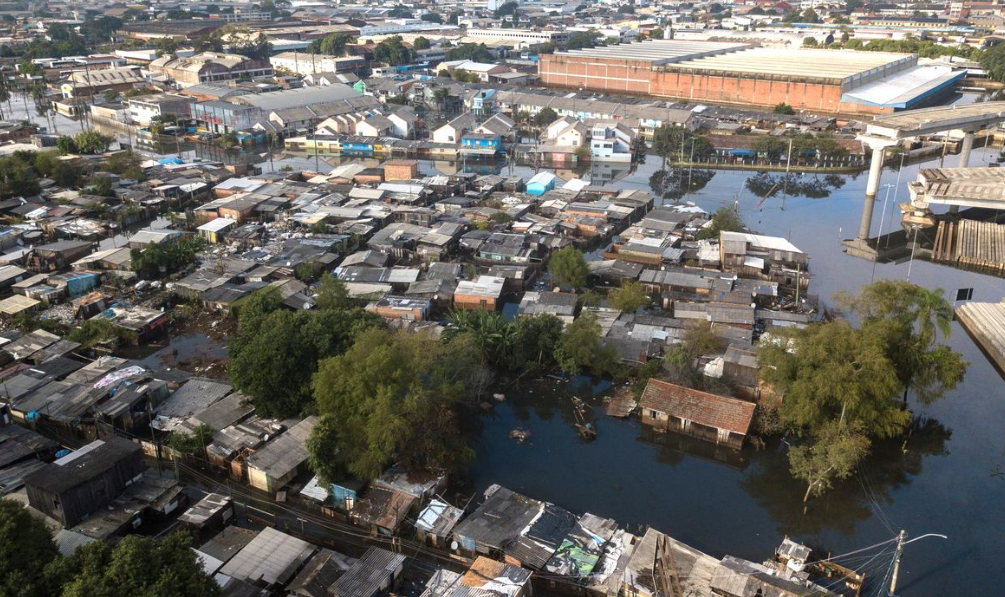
[(833, 81)]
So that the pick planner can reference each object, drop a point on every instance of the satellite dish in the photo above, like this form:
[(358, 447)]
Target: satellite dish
[(453, 546)]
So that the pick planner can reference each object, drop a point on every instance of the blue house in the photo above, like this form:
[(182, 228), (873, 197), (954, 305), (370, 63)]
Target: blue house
[(481, 144), (541, 183)]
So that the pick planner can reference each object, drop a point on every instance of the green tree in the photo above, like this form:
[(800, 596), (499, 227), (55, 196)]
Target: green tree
[(909, 320), (810, 42), (17, 177), (400, 12), (834, 372), (684, 359), (192, 443), (545, 117), (392, 51), (507, 9), (783, 108), (26, 549), (139, 565), (725, 219), (993, 63), (92, 142), (580, 349), (333, 45), (308, 271), (568, 267), (472, 52), (630, 297), (66, 144), (832, 456), (432, 17), (158, 259), (332, 294), (110, 95), (535, 341), (101, 185), (670, 141), (491, 335), (390, 397), (276, 351), (584, 39), (92, 332), (420, 43)]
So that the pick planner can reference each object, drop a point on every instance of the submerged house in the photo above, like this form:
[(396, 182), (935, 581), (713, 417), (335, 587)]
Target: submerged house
[(710, 417)]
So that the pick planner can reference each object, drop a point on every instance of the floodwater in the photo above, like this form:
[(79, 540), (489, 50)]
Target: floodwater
[(947, 478)]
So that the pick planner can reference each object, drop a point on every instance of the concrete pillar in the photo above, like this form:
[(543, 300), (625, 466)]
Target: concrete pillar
[(871, 188), (965, 149), (968, 145)]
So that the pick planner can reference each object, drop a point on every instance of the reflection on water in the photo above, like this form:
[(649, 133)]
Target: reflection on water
[(944, 482)]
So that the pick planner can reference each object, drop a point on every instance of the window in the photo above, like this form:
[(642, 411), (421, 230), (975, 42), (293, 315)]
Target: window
[(653, 414)]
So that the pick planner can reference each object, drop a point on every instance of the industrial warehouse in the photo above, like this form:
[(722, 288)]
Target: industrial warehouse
[(843, 82)]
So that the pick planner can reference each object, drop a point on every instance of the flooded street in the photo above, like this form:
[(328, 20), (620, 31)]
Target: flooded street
[(948, 479)]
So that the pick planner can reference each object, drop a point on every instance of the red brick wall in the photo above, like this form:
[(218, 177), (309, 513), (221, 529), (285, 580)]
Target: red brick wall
[(634, 77)]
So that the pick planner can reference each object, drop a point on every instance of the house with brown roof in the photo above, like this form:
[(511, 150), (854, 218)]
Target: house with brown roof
[(710, 417)]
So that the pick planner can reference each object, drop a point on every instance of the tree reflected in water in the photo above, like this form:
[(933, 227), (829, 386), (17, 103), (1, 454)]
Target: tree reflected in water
[(890, 465), (674, 183)]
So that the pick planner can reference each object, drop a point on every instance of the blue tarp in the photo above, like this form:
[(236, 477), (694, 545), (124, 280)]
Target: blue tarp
[(170, 160), (741, 153)]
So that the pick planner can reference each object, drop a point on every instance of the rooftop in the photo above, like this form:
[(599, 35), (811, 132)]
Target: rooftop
[(712, 410), (658, 52), (271, 557)]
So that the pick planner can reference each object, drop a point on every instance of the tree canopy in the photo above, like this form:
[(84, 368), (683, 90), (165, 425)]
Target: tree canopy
[(26, 549), (725, 219), (567, 267), (473, 52), (392, 51), (671, 141), (139, 565), (580, 349), (334, 44), (276, 351), (30, 564), (841, 384), (545, 117), (158, 259), (390, 397), (630, 297)]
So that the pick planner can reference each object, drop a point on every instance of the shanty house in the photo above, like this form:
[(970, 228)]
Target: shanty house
[(373, 575), (706, 416), (83, 482), (275, 465), (483, 293), (499, 520), (271, 558)]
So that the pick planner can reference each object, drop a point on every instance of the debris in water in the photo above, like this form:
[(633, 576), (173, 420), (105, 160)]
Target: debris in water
[(520, 435), (499, 397)]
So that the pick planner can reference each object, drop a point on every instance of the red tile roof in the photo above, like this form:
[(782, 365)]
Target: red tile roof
[(701, 407)]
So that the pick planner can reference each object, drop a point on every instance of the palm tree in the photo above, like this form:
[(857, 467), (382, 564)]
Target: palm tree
[(931, 312)]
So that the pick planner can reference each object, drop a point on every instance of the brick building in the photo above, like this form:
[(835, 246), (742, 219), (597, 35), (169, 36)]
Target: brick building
[(832, 81)]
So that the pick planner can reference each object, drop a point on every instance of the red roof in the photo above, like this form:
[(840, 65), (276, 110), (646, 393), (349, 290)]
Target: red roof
[(701, 407)]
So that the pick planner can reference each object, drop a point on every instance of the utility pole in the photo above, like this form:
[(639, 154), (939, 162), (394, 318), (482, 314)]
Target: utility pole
[(896, 561)]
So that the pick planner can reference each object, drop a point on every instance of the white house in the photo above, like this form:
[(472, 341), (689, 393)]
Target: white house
[(375, 126), (611, 142), (454, 130), (566, 132)]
